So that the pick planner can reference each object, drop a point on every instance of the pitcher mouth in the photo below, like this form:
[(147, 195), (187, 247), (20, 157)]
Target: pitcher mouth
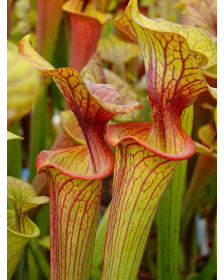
[(114, 139), (36, 232), (47, 160)]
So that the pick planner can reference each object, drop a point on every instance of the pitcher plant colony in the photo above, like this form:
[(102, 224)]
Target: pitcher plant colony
[(112, 119)]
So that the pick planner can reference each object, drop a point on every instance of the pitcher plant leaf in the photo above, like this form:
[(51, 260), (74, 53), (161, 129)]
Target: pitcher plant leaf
[(75, 175)]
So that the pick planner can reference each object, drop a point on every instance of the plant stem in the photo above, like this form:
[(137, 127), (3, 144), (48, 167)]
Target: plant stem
[(39, 129), (169, 213), (32, 267), (169, 225), (40, 258), (20, 270), (100, 239)]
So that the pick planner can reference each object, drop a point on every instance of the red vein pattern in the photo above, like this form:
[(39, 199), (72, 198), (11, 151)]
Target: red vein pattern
[(174, 78), (94, 105), (148, 153), (74, 192), (74, 212), (75, 175), (141, 175), (95, 73)]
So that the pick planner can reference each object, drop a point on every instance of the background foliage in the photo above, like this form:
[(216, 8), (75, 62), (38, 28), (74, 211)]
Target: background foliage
[(192, 194)]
